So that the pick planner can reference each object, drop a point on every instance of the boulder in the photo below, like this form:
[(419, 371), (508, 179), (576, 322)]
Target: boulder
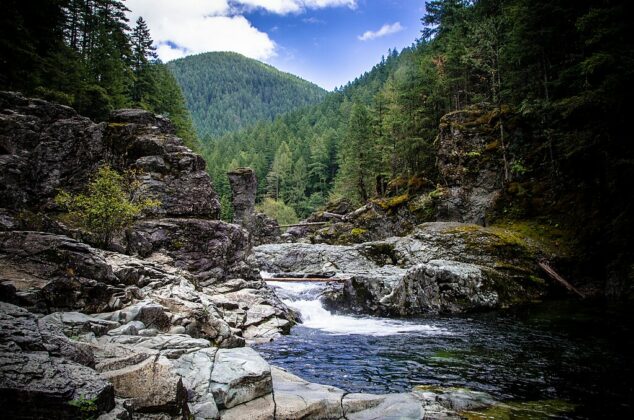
[(152, 386), (213, 251), (262, 408), (36, 385), (195, 369), (296, 398), (20, 330), (244, 187), (443, 286), (55, 273), (239, 375), (390, 406)]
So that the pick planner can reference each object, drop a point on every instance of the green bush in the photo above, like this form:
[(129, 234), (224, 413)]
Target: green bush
[(106, 208), (279, 211)]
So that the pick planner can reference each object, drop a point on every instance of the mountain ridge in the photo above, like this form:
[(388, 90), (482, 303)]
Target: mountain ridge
[(226, 91)]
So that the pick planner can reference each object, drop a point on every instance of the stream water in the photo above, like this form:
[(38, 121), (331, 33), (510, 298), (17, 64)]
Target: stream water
[(564, 354)]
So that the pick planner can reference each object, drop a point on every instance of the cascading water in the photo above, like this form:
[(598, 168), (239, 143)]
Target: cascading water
[(555, 354), (304, 298)]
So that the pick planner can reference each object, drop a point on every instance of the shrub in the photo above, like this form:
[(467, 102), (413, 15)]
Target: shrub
[(285, 215), (106, 208)]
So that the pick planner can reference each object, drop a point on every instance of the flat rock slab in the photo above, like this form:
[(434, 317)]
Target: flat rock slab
[(296, 398), (170, 345), (239, 375), (152, 385), (262, 408), (391, 406)]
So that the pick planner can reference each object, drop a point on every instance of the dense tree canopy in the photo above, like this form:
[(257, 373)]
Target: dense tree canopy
[(226, 91)]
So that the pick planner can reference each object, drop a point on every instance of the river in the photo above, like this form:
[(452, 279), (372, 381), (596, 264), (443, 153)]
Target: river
[(563, 354)]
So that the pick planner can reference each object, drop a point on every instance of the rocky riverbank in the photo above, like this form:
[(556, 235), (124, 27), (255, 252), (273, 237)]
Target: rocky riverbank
[(155, 326)]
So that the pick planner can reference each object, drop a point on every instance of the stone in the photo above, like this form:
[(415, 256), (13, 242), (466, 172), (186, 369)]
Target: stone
[(35, 385), (470, 164), (443, 267), (209, 249), (20, 330), (151, 385), (131, 328), (76, 323), (55, 273), (297, 398), (390, 406), (239, 375), (170, 345), (262, 408), (195, 370), (244, 186)]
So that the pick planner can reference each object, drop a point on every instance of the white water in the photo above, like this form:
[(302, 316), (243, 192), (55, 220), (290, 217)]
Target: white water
[(304, 298)]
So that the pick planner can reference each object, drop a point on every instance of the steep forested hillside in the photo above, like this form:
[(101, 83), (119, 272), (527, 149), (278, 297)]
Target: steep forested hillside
[(83, 53), (226, 91), (554, 78)]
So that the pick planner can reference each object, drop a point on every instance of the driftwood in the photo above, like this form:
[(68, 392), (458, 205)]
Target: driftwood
[(328, 215), (305, 224), (553, 274), (306, 279)]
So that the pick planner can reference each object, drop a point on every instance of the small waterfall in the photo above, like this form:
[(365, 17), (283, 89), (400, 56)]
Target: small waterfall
[(304, 298)]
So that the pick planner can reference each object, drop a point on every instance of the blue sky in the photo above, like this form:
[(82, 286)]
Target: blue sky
[(328, 42)]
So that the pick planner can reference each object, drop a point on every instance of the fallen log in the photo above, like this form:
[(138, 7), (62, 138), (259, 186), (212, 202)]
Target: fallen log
[(306, 279), (553, 274), (304, 224)]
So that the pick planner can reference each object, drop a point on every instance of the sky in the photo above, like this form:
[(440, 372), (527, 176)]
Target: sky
[(328, 42)]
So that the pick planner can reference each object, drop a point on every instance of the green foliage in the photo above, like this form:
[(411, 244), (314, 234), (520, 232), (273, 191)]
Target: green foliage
[(226, 91), (82, 53), (87, 407), (277, 210), (106, 208)]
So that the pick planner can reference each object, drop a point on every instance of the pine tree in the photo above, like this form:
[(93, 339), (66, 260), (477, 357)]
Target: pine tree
[(143, 57)]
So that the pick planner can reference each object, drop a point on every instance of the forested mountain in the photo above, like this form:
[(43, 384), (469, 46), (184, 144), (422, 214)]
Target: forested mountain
[(83, 53), (226, 91), (556, 76)]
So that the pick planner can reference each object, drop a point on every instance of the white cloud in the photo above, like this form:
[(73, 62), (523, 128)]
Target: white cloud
[(385, 30), (185, 27), (283, 7)]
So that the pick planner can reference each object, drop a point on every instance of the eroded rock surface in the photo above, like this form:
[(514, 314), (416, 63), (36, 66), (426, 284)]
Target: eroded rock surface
[(261, 228), (441, 267)]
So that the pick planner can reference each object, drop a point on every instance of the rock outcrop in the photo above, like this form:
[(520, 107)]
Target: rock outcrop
[(470, 165), (244, 185), (441, 267), (155, 328)]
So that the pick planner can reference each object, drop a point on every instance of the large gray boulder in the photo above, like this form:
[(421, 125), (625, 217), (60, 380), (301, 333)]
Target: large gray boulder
[(297, 398), (212, 250), (239, 375), (151, 385)]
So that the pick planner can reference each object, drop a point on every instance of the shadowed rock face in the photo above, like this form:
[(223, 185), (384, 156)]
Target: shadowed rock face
[(244, 185), (470, 165), (46, 147)]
